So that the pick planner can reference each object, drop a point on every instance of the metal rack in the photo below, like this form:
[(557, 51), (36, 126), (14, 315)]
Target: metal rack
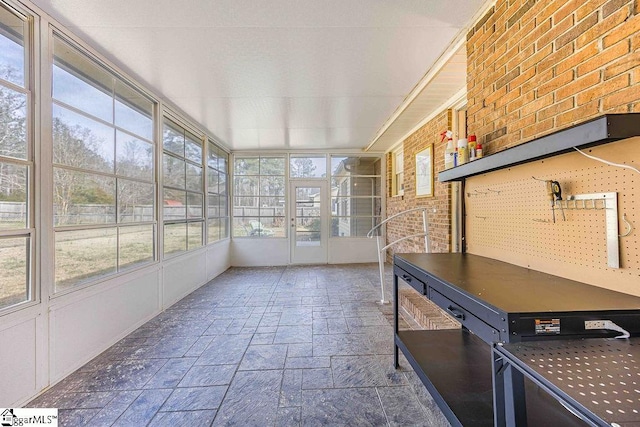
[(595, 379)]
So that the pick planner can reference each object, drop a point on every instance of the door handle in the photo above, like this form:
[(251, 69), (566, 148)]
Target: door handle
[(455, 312)]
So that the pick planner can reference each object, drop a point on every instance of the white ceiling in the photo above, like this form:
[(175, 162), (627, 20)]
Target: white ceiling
[(274, 74)]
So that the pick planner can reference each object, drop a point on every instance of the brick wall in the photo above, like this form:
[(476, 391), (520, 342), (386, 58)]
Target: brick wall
[(534, 66), (440, 220), (538, 66)]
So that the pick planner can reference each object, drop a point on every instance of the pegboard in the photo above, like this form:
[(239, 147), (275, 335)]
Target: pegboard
[(509, 216)]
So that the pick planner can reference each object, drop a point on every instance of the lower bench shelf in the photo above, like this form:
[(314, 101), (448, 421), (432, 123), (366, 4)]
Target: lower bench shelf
[(455, 367)]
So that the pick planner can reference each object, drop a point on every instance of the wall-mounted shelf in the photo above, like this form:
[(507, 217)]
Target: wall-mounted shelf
[(601, 130)]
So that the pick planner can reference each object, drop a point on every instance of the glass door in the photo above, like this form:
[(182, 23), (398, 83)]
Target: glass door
[(308, 222)]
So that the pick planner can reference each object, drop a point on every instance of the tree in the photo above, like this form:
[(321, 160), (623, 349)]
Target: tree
[(13, 140), (302, 167), (77, 146)]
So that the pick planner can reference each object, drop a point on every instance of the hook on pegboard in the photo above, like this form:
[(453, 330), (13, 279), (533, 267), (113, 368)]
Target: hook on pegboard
[(627, 224)]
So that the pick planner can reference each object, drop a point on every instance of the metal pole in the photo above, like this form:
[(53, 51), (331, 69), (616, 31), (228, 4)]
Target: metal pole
[(425, 228), (381, 269)]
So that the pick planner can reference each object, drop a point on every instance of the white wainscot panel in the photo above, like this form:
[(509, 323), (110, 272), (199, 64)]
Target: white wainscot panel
[(17, 362), (182, 275), (218, 258), (345, 250), (83, 328), (259, 252)]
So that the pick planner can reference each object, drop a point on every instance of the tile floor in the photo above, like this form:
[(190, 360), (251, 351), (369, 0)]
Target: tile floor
[(275, 346)]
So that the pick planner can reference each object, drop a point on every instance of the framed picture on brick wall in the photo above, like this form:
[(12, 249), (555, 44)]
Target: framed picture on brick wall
[(424, 172)]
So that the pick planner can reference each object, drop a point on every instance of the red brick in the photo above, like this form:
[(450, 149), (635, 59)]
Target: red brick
[(576, 30), (629, 28), (533, 33), (604, 57), (566, 10), (522, 14), (577, 115), (510, 96), (555, 32), (538, 128), (537, 80), (555, 83), (556, 57), (603, 89), (506, 119), (516, 38), (484, 35), (514, 57), (578, 85), (625, 96), (622, 65), (602, 27), (587, 8), (555, 109), (519, 102), (577, 58), (537, 57), (635, 41), (495, 95), (523, 77), (497, 55), (522, 123), (440, 222), (538, 104), (551, 7), (494, 116), (613, 5)]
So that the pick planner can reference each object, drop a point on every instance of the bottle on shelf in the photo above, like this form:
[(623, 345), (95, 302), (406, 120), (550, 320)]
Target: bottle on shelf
[(449, 151), (472, 148), (463, 151), (479, 152)]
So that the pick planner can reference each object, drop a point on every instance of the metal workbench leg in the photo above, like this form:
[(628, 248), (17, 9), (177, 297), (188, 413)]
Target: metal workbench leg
[(514, 396), (497, 369), (396, 364)]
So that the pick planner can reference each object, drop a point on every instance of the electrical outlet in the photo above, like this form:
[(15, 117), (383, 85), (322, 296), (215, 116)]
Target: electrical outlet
[(594, 324)]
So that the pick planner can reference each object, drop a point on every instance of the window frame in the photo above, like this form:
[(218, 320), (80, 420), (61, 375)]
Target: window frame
[(344, 201), (122, 81), (397, 172), (30, 42), (187, 130), (285, 179), (226, 218)]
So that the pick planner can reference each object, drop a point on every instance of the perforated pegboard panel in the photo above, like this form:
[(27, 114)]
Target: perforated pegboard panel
[(602, 375), (509, 217)]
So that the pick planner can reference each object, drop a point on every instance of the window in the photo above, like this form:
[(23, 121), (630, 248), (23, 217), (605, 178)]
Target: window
[(356, 205), (307, 166), (16, 165), (259, 201), (217, 195), (103, 158), (397, 186), (183, 190)]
